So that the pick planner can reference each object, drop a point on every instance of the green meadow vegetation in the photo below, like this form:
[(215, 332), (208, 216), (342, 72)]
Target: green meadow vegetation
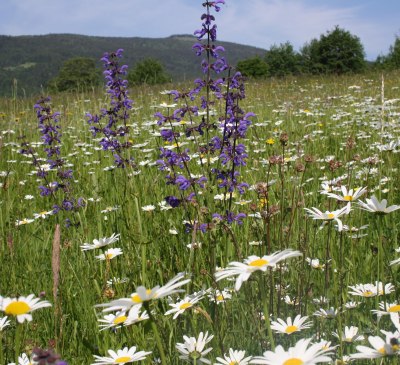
[(336, 129), (161, 233)]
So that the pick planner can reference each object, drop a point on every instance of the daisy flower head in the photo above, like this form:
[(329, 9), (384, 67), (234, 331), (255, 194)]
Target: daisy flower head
[(290, 326), (373, 205), (379, 348), (123, 319), (143, 294), (23, 221), (349, 335), (44, 214), (371, 290), (329, 216), (110, 254), (219, 296), (328, 314), (194, 348), (301, 354), (386, 308), (123, 356), (315, 264), (23, 359), (185, 304), (252, 264), (101, 242), (22, 307), (348, 195), (235, 357)]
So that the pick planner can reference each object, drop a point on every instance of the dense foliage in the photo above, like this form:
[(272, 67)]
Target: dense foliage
[(77, 74), (148, 71)]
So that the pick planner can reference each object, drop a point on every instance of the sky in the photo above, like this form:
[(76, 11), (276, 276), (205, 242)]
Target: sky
[(260, 23)]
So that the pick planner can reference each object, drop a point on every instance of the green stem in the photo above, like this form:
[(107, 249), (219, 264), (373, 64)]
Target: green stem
[(1, 348), (156, 334), (17, 344), (266, 313)]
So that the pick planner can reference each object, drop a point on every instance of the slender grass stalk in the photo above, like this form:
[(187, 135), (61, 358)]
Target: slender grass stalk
[(157, 336), (18, 340), (262, 286)]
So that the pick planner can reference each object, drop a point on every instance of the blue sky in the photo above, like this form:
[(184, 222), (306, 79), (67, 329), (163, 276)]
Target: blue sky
[(260, 23)]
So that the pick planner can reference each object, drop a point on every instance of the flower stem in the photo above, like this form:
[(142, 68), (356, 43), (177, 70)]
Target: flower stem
[(156, 334), (17, 344), (266, 312)]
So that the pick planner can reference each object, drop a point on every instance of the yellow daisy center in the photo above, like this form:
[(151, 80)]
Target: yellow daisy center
[(120, 319), (330, 215), (109, 256), (185, 305), (17, 308), (348, 198), (122, 359), (220, 298), (259, 262), (233, 363), (368, 293), (291, 329), (293, 361), (136, 298), (382, 351), (394, 308)]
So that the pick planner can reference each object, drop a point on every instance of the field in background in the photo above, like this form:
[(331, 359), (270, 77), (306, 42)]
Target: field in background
[(339, 133)]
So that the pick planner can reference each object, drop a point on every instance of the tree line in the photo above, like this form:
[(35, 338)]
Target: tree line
[(335, 52)]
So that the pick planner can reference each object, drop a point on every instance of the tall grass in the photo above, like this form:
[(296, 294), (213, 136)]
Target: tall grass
[(334, 128)]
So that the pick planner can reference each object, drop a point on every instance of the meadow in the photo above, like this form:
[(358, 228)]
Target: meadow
[(170, 246)]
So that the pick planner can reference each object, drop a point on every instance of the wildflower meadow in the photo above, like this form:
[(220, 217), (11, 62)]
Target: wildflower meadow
[(220, 221)]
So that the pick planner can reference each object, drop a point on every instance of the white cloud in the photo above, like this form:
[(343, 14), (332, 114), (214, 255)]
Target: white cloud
[(259, 23)]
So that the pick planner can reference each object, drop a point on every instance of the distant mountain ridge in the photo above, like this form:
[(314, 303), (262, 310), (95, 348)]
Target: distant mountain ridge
[(34, 60)]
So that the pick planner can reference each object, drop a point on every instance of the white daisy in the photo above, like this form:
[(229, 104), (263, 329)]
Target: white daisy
[(44, 214), (301, 353), (348, 195), (184, 304), (252, 264), (235, 357), (123, 356), (329, 216), (23, 221), (23, 359), (290, 326), (21, 307), (120, 319), (380, 348), (373, 205), (101, 242), (328, 314), (219, 296), (349, 335), (144, 295), (193, 348), (110, 254)]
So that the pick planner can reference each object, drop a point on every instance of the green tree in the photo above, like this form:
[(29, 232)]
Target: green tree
[(339, 52), (282, 60), (310, 62), (77, 74), (148, 71), (253, 67), (392, 60)]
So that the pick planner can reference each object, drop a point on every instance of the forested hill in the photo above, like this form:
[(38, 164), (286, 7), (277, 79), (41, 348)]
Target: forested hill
[(34, 60)]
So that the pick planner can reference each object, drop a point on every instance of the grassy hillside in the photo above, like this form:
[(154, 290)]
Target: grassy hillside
[(34, 60)]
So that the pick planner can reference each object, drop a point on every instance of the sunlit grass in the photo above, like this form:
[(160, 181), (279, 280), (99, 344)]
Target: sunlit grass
[(334, 128)]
